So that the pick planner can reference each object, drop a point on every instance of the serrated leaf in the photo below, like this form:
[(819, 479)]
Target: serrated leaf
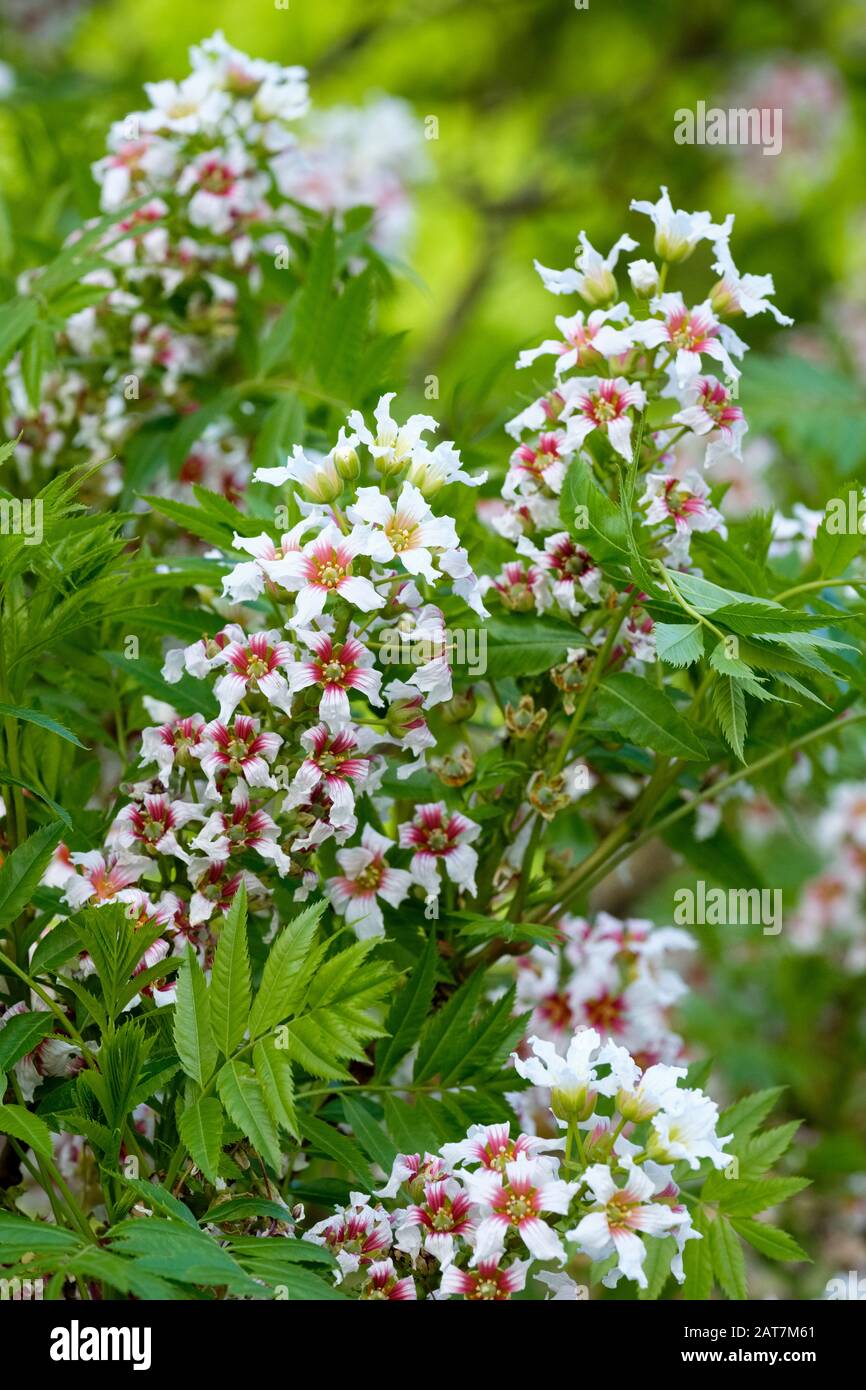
[(657, 1265), (679, 644), (645, 716), (761, 1151), (17, 1121), (344, 1151), (370, 1134), (201, 1129), (744, 1116), (230, 987), (769, 1240), (408, 1012), (20, 1034), (273, 1067), (277, 996), (729, 705), (22, 870), (749, 1198), (193, 1033), (34, 716), (728, 665), (241, 1093), (729, 1265)]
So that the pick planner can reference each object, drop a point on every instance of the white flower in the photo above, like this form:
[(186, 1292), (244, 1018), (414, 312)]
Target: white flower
[(407, 530), (365, 877), (594, 403), (678, 233), (686, 1129), (593, 277), (514, 1200), (623, 1212), (324, 567), (743, 294), (572, 1078), (393, 446), (644, 276)]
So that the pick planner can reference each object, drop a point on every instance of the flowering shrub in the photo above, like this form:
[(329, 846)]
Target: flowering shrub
[(293, 969)]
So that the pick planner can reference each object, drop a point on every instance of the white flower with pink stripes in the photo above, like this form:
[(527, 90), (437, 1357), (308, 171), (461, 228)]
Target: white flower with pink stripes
[(688, 335), (248, 580), (439, 836), (493, 1147), (489, 1283), (623, 1214), (324, 568), (332, 764), (151, 826), (245, 750), (176, 741), (102, 878), (254, 667), (437, 1222), (515, 1200), (585, 342), (405, 530), (383, 1283), (711, 409), (244, 827), (365, 878), (338, 668), (602, 403)]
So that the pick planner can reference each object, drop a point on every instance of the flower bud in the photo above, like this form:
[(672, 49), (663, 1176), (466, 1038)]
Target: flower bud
[(460, 707), (404, 715), (572, 1104), (644, 278), (325, 484), (599, 287), (347, 463), (549, 795)]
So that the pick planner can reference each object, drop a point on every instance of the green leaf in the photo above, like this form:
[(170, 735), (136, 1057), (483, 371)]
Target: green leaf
[(20, 1035), (369, 1133), (728, 665), (54, 949), (760, 1152), (644, 715), (657, 1265), (698, 1261), (526, 646), (33, 716), (744, 1116), (201, 1129), (242, 1095), (241, 1208), (344, 1151), (729, 704), (193, 1033), (22, 870), (769, 1240), (28, 1128), (408, 1012), (729, 1264), (277, 997), (230, 988), (19, 1236), (313, 302), (591, 517), (748, 1198), (177, 1252), (273, 1067), (679, 644)]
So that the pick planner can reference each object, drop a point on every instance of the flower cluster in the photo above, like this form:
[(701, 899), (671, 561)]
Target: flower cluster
[(222, 171), (305, 727), (473, 1220)]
